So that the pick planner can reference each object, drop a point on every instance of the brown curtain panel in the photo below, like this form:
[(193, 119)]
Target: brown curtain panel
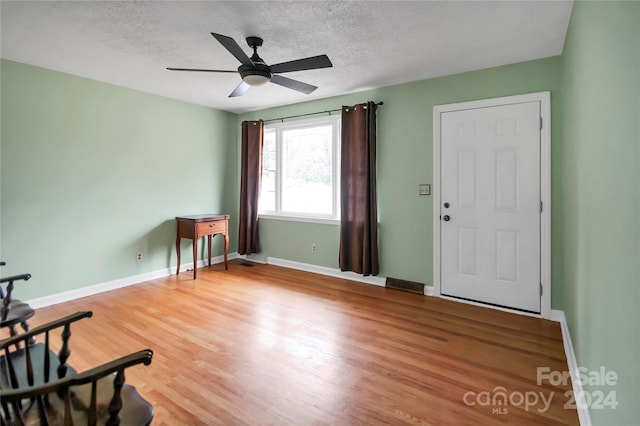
[(358, 206), (251, 173)]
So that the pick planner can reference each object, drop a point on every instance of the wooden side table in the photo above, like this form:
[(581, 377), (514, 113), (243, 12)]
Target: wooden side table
[(200, 225)]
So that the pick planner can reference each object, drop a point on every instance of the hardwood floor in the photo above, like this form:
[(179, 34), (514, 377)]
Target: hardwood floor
[(268, 345)]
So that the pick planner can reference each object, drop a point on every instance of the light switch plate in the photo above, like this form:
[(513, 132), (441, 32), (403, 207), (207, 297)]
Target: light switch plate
[(425, 189)]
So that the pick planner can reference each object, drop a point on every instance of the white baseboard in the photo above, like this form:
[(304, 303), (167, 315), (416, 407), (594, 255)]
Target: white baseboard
[(323, 270), (257, 258), (572, 364), (66, 296)]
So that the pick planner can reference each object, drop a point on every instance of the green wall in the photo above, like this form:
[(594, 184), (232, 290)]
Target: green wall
[(93, 173), (598, 233), (405, 160)]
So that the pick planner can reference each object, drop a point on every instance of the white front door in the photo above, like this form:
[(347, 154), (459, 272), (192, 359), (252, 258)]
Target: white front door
[(490, 205)]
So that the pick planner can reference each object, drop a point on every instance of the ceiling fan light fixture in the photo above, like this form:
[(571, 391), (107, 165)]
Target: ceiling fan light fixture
[(255, 76), (256, 80)]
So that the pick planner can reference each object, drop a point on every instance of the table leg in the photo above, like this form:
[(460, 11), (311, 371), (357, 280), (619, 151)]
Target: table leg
[(209, 237), (178, 252), (226, 250), (195, 257)]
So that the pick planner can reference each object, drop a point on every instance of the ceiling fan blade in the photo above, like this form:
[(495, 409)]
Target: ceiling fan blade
[(198, 70), (293, 84), (312, 63), (240, 90), (233, 48)]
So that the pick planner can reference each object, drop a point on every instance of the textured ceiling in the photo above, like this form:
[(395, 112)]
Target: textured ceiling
[(371, 44)]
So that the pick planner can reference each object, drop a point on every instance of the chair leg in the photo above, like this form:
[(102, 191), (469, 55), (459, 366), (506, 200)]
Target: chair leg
[(25, 327), (13, 332)]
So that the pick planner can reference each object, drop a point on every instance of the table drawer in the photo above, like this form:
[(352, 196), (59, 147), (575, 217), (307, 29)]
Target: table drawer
[(206, 228)]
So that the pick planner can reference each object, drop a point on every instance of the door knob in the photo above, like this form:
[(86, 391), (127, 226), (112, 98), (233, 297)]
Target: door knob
[(446, 218), (446, 205)]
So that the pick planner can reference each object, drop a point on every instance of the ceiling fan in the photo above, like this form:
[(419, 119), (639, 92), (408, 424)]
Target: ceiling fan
[(255, 72)]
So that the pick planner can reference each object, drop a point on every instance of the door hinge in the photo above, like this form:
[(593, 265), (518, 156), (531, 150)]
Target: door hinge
[(540, 206), (540, 289), (540, 123)]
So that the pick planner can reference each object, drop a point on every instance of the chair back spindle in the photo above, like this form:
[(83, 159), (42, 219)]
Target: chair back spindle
[(65, 352), (115, 405)]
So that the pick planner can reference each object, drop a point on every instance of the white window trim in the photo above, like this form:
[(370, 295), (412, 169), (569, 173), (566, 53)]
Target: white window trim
[(333, 218), (290, 218)]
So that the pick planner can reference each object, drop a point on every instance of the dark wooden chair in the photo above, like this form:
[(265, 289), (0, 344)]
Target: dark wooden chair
[(39, 386), (13, 311)]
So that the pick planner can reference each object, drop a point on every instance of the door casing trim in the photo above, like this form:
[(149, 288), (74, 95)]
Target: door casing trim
[(545, 186)]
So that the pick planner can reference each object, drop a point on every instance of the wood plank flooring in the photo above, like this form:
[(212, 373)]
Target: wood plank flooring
[(265, 345)]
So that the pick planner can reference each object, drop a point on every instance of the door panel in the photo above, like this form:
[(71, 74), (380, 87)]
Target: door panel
[(467, 179), (507, 180), (468, 251), (490, 176)]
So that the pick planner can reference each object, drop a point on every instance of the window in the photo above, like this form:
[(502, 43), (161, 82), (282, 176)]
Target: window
[(300, 177)]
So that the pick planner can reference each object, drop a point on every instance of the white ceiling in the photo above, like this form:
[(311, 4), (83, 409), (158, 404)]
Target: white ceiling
[(371, 43)]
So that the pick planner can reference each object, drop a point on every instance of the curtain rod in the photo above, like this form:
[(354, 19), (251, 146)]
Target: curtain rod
[(310, 113)]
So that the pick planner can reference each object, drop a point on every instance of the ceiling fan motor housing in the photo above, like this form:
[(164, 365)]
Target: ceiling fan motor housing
[(254, 42)]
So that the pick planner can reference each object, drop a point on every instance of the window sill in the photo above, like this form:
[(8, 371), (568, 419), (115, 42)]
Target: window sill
[(299, 219)]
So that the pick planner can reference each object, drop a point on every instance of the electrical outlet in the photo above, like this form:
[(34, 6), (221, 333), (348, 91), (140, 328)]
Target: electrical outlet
[(314, 248), (138, 257)]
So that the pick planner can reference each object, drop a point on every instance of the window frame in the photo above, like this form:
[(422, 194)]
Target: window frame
[(279, 127)]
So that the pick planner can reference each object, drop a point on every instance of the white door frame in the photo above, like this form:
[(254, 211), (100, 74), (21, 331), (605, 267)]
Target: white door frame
[(545, 190)]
